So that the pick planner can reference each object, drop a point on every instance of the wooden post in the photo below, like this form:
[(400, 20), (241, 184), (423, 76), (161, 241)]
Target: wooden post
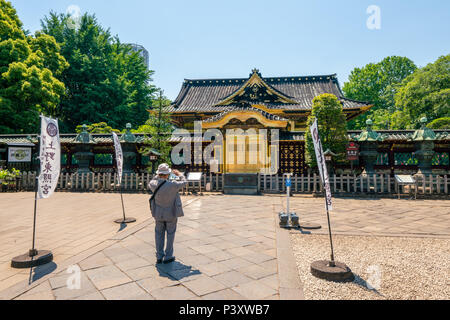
[(431, 184), (314, 183), (445, 184), (308, 185), (424, 183), (389, 183)]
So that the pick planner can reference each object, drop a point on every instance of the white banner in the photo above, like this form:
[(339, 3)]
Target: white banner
[(50, 157), (321, 163), (16, 154), (119, 156)]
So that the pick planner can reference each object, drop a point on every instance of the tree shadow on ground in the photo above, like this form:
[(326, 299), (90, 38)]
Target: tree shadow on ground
[(40, 271), (176, 270)]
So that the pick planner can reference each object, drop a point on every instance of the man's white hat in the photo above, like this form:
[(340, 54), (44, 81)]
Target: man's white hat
[(163, 168)]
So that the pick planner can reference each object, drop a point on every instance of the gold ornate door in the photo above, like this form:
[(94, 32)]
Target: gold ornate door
[(246, 153)]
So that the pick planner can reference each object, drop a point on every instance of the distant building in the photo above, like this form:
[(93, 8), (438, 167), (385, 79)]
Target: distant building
[(142, 51)]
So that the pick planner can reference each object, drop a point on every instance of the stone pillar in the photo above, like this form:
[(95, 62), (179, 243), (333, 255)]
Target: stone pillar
[(83, 148), (368, 139), (84, 157), (424, 144), (128, 142), (369, 155)]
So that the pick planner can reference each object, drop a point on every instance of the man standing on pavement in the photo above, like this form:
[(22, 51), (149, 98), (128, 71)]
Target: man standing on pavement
[(166, 208)]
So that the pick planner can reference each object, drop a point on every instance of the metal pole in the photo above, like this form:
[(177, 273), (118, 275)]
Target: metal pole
[(287, 204), (33, 251), (121, 198), (332, 263)]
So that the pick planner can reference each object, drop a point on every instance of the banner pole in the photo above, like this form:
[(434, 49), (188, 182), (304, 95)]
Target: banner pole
[(34, 257), (332, 263), (119, 170), (323, 269), (121, 198), (33, 251)]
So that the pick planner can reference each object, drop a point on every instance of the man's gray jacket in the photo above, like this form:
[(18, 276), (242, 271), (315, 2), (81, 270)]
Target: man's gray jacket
[(167, 203)]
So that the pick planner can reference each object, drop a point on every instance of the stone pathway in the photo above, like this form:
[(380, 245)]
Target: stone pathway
[(67, 224), (227, 247), (225, 250), (375, 216)]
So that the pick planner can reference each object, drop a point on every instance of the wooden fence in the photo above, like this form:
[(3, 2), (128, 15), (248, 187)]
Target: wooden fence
[(212, 182)]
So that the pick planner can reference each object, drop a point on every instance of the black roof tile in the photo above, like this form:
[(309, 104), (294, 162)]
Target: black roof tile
[(203, 95)]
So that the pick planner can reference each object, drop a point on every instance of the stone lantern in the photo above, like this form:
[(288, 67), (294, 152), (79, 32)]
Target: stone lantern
[(328, 154), (368, 140), (424, 143), (84, 142), (128, 142), (153, 156)]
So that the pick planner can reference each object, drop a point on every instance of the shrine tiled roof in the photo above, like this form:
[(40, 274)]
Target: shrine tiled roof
[(207, 95), (267, 115), (64, 138), (389, 136)]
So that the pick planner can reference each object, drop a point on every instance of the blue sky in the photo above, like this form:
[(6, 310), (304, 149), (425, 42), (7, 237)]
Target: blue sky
[(218, 39)]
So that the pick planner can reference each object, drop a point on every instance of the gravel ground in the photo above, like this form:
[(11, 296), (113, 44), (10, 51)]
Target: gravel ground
[(396, 268)]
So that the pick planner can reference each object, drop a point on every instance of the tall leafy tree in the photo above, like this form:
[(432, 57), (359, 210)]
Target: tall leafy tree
[(377, 83), (106, 82), (28, 66), (101, 127), (440, 123), (331, 121), (425, 93), (159, 130)]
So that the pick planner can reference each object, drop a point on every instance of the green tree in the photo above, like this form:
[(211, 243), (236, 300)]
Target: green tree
[(101, 127), (440, 123), (106, 82), (426, 92), (332, 128), (158, 130), (377, 84), (28, 66)]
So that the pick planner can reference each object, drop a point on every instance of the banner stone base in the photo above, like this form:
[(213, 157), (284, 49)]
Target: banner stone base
[(27, 261), (126, 220), (340, 272)]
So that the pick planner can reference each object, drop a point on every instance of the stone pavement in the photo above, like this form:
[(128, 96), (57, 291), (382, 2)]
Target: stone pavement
[(67, 224), (375, 216), (227, 247), (225, 250)]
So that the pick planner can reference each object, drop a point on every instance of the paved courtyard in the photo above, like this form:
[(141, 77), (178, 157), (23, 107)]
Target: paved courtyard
[(227, 247)]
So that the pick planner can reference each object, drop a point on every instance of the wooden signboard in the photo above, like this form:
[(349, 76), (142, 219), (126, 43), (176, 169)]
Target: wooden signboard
[(352, 151)]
